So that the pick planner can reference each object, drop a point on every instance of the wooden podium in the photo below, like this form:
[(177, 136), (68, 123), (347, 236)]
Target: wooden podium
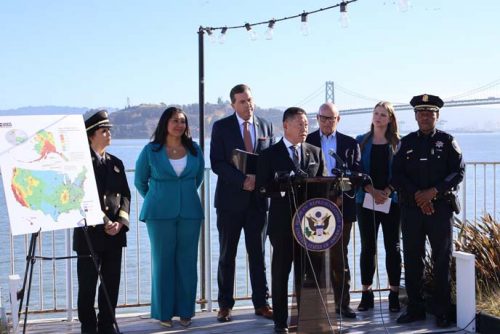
[(317, 226)]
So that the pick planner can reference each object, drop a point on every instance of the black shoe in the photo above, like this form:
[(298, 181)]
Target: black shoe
[(394, 301), (408, 317), (346, 312), (442, 321), (279, 329), (366, 301)]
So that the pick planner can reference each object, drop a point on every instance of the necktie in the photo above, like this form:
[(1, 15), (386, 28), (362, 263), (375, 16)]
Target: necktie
[(295, 156), (247, 138)]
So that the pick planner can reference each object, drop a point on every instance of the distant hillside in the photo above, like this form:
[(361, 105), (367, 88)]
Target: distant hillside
[(140, 121), (44, 110)]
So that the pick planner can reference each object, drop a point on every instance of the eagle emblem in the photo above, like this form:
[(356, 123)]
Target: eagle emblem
[(318, 225)]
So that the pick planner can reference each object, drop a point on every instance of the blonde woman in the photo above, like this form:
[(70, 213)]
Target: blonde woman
[(377, 149)]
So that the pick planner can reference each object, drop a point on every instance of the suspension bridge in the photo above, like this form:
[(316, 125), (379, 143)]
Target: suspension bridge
[(476, 97)]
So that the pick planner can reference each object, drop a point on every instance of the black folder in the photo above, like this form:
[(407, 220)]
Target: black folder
[(244, 161)]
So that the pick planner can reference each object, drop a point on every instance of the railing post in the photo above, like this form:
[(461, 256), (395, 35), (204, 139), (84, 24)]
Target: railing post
[(466, 291), (208, 249), (69, 278)]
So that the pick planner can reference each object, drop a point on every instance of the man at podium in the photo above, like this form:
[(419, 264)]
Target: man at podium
[(290, 157)]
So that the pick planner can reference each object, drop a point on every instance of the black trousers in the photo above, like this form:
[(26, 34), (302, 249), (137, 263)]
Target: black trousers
[(339, 267), (110, 262), (438, 229), (229, 225), (285, 252), (369, 222)]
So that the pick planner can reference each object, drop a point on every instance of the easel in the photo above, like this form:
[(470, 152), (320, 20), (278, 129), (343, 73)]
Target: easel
[(30, 262)]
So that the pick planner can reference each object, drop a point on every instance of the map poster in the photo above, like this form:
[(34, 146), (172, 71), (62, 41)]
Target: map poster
[(47, 173)]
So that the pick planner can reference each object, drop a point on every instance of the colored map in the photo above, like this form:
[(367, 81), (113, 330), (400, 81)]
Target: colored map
[(45, 144), (16, 136), (47, 174), (48, 191)]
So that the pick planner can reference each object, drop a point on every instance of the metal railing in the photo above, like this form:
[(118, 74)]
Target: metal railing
[(55, 286)]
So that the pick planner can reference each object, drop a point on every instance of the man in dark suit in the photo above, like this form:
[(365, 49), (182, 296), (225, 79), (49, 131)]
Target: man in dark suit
[(291, 154), (329, 139), (237, 203), (107, 239)]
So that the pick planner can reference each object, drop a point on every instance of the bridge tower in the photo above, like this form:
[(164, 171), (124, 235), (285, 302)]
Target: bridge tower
[(329, 92)]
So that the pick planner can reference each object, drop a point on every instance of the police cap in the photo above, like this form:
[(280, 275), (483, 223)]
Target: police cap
[(426, 102), (98, 120)]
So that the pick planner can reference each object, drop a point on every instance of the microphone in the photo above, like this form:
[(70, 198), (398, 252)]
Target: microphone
[(338, 160), (343, 170)]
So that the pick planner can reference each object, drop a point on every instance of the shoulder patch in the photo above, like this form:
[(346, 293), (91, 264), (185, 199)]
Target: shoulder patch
[(455, 146)]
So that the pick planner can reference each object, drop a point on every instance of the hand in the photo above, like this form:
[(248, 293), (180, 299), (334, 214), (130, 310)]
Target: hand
[(249, 184), (380, 196), (424, 196), (113, 228), (427, 208)]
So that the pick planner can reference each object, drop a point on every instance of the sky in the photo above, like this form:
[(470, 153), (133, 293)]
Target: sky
[(95, 53)]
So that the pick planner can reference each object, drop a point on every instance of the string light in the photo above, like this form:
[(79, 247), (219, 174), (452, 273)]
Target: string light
[(211, 36), (222, 36), (344, 18), (251, 32), (270, 29), (304, 27), (271, 23), (403, 5)]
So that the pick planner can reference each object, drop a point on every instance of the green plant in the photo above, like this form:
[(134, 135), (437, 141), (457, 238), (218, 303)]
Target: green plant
[(481, 238)]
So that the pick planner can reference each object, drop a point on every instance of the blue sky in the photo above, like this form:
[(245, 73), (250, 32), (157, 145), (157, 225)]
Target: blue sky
[(93, 53)]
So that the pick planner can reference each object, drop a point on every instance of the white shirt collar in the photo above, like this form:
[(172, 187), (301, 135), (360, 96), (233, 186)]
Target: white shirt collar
[(241, 120), (288, 144)]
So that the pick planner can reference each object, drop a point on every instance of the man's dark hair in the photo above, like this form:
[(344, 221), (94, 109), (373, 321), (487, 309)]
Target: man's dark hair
[(238, 89), (292, 112)]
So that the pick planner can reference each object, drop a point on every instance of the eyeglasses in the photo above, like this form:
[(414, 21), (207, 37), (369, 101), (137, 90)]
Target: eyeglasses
[(326, 118)]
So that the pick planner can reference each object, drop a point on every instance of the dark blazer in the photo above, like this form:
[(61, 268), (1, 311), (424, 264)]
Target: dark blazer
[(277, 159), (348, 150), (226, 136), (114, 196)]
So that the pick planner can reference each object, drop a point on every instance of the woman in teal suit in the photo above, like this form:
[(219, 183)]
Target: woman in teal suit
[(168, 172)]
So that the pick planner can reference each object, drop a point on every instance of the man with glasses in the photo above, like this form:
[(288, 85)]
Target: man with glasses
[(330, 140)]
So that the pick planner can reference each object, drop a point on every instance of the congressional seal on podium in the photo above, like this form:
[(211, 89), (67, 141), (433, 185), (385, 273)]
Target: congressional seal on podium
[(317, 224)]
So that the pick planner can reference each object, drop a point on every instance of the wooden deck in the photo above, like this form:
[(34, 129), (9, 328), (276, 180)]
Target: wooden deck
[(244, 321)]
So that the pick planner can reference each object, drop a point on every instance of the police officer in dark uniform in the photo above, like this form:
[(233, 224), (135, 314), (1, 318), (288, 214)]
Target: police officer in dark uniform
[(426, 171), (107, 239)]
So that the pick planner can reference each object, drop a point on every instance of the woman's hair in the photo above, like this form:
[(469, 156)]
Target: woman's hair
[(160, 135), (392, 132)]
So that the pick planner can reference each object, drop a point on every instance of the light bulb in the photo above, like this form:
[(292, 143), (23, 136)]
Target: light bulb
[(403, 5), (344, 18), (251, 32), (270, 30), (210, 34), (304, 27), (222, 36)]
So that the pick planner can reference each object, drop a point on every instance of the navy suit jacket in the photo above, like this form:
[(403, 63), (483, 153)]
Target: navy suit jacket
[(348, 150), (226, 136), (277, 159)]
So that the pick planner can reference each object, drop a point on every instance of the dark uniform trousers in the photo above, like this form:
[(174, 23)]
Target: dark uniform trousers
[(109, 262), (114, 196), (438, 227)]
